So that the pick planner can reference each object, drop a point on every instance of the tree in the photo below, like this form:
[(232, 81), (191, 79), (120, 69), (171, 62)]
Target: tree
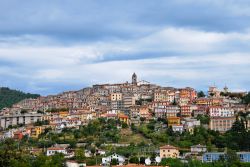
[(171, 162), (204, 119), (124, 125), (9, 97), (246, 99), (142, 160), (201, 94), (244, 117), (79, 154), (134, 160), (238, 126), (23, 111), (212, 94), (232, 157), (57, 160), (142, 119), (114, 162)]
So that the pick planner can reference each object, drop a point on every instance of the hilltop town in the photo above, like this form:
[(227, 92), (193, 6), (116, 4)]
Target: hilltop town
[(132, 122)]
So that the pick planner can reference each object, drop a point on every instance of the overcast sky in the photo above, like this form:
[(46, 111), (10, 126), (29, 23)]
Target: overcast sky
[(50, 46)]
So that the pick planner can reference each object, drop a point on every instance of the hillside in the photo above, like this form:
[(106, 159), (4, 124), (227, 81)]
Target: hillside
[(8, 97)]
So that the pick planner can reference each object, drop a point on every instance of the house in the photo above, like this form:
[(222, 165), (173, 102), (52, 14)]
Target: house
[(173, 121), (215, 156), (123, 118), (108, 160), (169, 151), (219, 111), (72, 163), (36, 131), (178, 128), (186, 110), (198, 149), (213, 91), (54, 150), (221, 124), (35, 151), (101, 152), (144, 111), (18, 135), (190, 124), (172, 110), (116, 101), (88, 153), (209, 101), (212, 156), (244, 156)]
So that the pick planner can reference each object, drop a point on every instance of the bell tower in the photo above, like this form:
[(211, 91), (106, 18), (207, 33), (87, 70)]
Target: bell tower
[(134, 79)]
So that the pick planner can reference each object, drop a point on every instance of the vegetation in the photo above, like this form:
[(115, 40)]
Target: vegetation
[(204, 119), (142, 140), (13, 156), (201, 94), (9, 97), (246, 99), (57, 110)]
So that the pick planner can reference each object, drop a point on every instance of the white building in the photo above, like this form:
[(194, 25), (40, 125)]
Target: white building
[(178, 128), (107, 160), (16, 119), (54, 150), (72, 163), (219, 111), (198, 148)]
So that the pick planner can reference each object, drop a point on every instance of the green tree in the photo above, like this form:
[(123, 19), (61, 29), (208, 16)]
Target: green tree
[(79, 154), (9, 97), (204, 119), (114, 162), (246, 99), (232, 157), (134, 160), (201, 94), (57, 160)]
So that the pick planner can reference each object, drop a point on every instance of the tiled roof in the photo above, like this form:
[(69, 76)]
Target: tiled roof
[(168, 147), (56, 148)]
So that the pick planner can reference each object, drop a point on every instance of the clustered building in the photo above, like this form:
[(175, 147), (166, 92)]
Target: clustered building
[(129, 102)]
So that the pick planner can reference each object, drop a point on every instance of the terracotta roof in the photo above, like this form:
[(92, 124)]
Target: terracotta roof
[(168, 147), (56, 148), (132, 165)]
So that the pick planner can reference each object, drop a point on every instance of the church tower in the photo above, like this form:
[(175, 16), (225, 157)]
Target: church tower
[(134, 79)]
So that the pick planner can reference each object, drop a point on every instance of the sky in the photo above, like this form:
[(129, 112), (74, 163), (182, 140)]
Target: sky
[(47, 47)]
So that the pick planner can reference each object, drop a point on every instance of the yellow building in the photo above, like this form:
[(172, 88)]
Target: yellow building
[(63, 114), (36, 131), (173, 121), (169, 151), (116, 96)]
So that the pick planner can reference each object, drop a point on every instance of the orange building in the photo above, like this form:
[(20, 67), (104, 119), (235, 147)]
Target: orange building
[(18, 135), (189, 93), (186, 111), (123, 118), (173, 121), (144, 112)]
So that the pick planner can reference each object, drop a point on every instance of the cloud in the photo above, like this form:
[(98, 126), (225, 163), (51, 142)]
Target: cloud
[(47, 47)]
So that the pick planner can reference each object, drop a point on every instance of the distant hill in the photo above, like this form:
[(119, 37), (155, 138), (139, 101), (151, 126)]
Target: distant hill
[(8, 97)]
